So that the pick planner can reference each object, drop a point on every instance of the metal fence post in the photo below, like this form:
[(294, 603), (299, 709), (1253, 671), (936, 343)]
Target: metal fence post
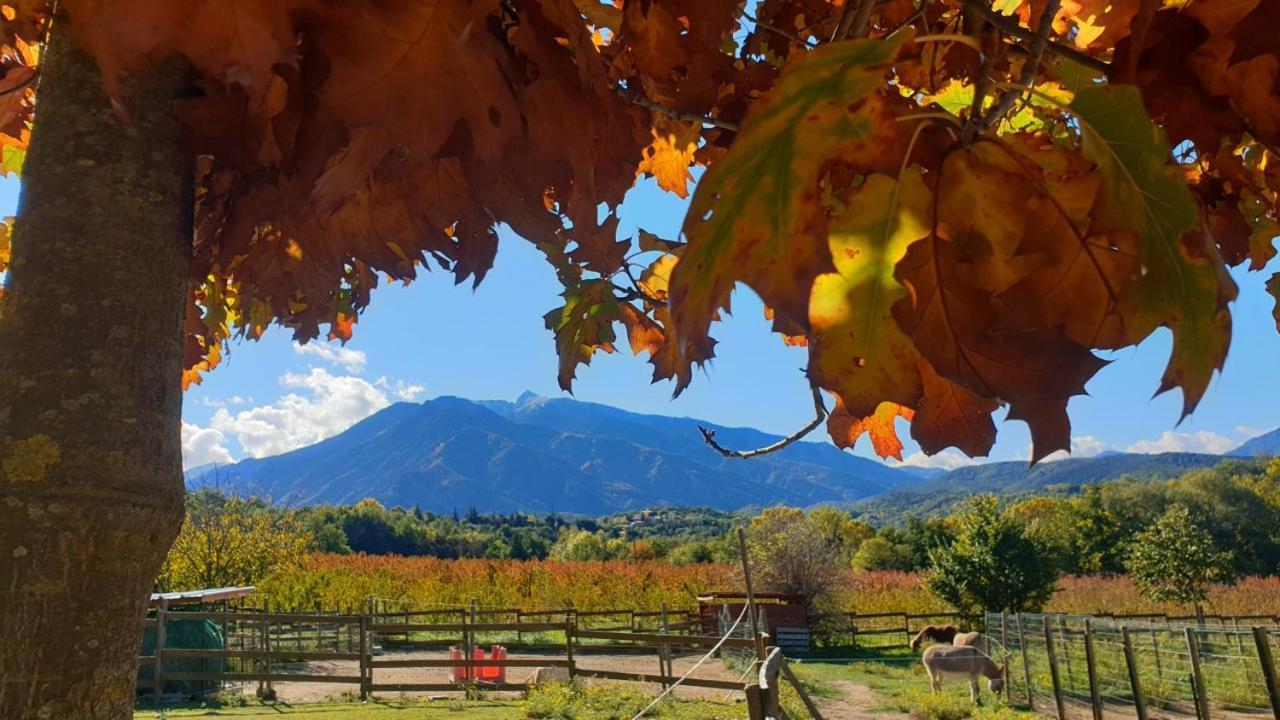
[(1197, 680), (1053, 672), (1026, 658), (1135, 684), (1267, 660), (1090, 663)]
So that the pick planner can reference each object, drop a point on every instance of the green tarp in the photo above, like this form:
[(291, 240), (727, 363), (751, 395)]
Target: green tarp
[(186, 634)]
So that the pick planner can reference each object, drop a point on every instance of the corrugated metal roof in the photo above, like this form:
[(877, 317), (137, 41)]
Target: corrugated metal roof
[(189, 597)]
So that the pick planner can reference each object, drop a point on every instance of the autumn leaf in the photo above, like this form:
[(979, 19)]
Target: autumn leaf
[(857, 350), (846, 428), (755, 215), (669, 156), (583, 325), (951, 416), (952, 315), (1184, 286)]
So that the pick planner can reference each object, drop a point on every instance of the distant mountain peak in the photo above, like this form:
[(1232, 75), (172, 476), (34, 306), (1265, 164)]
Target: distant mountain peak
[(550, 454), (528, 396)]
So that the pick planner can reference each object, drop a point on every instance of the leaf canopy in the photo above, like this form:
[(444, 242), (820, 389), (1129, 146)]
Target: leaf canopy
[(951, 211)]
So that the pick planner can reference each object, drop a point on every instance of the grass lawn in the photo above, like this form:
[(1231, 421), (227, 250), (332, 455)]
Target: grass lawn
[(897, 679)]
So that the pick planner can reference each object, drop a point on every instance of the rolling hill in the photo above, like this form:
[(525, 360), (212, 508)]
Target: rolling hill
[(938, 495)]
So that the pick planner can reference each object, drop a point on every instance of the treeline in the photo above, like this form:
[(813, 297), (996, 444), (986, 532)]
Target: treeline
[(1086, 531)]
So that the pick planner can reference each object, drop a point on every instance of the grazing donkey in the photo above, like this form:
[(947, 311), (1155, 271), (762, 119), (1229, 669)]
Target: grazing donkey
[(943, 661), (936, 633)]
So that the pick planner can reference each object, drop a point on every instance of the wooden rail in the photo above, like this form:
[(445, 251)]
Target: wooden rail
[(256, 643)]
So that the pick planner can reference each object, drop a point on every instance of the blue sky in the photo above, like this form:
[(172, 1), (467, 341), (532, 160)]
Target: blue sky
[(434, 338)]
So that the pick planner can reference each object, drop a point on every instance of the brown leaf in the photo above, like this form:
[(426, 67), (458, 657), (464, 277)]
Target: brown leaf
[(951, 416)]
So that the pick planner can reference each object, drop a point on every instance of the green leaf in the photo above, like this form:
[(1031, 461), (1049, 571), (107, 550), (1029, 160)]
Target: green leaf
[(583, 325), (756, 216), (1185, 287)]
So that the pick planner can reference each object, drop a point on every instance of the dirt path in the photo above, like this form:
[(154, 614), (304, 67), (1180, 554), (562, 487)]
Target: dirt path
[(855, 701)]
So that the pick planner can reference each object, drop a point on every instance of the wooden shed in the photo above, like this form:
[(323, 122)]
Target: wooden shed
[(786, 616)]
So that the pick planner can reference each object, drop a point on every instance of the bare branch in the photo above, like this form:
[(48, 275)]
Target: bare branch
[(658, 107), (820, 414), (1029, 70), (853, 19), (1011, 28), (766, 26)]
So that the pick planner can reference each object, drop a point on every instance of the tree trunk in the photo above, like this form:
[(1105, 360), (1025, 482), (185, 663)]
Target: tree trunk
[(90, 396)]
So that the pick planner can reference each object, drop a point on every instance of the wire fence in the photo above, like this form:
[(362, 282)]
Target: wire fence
[(1150, 667)]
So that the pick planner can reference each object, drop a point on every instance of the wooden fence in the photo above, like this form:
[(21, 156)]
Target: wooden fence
[(264, 647), (889, 629)]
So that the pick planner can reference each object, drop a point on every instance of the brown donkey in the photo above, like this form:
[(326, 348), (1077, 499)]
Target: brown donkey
[(936, 633)]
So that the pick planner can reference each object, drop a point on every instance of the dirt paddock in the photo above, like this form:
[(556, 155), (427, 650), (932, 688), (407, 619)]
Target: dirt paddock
[(586, 661)]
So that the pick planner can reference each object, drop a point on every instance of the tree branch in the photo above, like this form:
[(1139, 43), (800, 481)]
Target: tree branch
[(1029, 70), (820, 414), (658, 107), (766, 26), (1011, 28)]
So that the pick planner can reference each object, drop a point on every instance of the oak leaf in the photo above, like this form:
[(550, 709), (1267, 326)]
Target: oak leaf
[(755, 215), (846, 428), (857, 351), (1184, 285)]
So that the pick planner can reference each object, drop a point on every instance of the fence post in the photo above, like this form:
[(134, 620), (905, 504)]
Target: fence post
[(1053, 671), (1090, 663), (1135, 684), (906, 630), (363, 648), (664, 650), (1197, 680), (755, 702), (1004, 647), (1155, 650), (1026, 658), (568, 645), (264, 690), (157, 674), (1268, 663)]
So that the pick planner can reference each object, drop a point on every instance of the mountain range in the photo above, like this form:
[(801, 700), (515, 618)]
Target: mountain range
[(541, 455)]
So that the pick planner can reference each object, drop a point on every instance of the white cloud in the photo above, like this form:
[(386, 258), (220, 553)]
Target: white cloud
[(1249, 431), (408, 392), (1081, 447), (327, 405), (233, 400), (201, 446), (351, 360), (1202, 441), (945, 460)]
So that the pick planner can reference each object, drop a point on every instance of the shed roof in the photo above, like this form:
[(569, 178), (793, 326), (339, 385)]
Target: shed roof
[(195, 597)]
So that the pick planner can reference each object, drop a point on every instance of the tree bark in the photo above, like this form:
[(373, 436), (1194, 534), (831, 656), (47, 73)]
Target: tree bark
[(90, 396)]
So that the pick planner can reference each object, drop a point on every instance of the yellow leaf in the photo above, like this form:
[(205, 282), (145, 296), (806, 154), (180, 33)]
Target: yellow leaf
[(670, 154)]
